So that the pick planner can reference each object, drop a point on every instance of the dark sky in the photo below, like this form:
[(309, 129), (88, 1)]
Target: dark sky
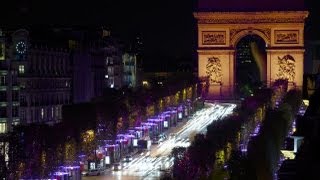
[(167, 26)]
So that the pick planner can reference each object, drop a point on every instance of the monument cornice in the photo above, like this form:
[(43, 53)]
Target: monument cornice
[(251, 17), (215, 51)]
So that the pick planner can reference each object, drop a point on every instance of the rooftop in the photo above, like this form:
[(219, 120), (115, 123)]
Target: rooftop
[(250, 5)]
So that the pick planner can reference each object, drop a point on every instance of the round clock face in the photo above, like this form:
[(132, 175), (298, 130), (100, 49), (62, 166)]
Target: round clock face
[(21, 47)]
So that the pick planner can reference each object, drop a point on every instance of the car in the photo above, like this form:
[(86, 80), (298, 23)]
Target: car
[(156, 141), (162, 137), (128, 158), (173, 136), (117, 166), (92, 172)]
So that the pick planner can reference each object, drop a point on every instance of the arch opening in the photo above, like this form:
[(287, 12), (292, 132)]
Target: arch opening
[(251, 64)]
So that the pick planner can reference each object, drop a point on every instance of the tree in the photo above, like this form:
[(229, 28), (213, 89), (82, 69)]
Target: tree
[(179, 154), (240, 167), (3, 167), (89, 144), (70, 152)]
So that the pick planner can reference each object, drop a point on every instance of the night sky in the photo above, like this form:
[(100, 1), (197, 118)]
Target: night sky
[(167, 26)]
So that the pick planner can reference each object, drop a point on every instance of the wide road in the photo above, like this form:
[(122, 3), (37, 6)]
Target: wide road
[(150, 164)]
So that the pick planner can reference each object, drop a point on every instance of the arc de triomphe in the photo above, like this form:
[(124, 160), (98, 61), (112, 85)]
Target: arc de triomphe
[(219, 33)]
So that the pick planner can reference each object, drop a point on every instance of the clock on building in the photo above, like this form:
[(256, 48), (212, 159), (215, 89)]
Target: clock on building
[(21, 47)]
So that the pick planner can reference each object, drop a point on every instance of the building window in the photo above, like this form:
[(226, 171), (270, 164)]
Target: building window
[(21, 69), (3, 80), (15, 95), (111, 82), (3, 112), (15, 111), (42, 113), (57, 111), (3, 96), (15, 123), (110, 71), (3, 128), (23, 101), (22, 115)]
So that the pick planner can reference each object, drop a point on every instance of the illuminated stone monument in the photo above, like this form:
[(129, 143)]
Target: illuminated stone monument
[(219, 33)]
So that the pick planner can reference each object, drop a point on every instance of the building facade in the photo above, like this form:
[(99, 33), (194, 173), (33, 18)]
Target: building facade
[(39, 75), (129, 70), (97, 64), (9, 88), (45, 81), (114, 63), (36, 78)]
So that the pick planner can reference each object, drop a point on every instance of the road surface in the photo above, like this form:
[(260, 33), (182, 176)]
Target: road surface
[(149, 165)]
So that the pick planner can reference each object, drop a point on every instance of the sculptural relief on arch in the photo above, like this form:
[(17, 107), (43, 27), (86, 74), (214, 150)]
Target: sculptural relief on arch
[(220, 32)]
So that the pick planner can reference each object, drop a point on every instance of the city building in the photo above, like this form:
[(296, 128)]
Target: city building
[(247, 53), (138, 47), (114, 63), (311, 78), (312, 57), (99, 62), (9, 89), (35, 80), (44, 68), (129, 70), (44, 78)]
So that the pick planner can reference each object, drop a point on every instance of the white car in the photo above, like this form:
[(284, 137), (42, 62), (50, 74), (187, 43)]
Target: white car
[(128, 158), (117, 166), (172, 136), (92, 172)]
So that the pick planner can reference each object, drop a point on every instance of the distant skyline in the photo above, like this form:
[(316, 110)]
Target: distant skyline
[(167, 27)]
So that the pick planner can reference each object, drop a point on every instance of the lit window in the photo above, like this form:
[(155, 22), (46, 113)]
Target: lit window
[(42, 113), (3, 128), (15, 123), (52, 112), (106, 76), (145, 83), (111, 82), (21, 69)]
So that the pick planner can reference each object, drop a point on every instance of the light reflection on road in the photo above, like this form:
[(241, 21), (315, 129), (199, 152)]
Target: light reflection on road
[(150, 165)]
